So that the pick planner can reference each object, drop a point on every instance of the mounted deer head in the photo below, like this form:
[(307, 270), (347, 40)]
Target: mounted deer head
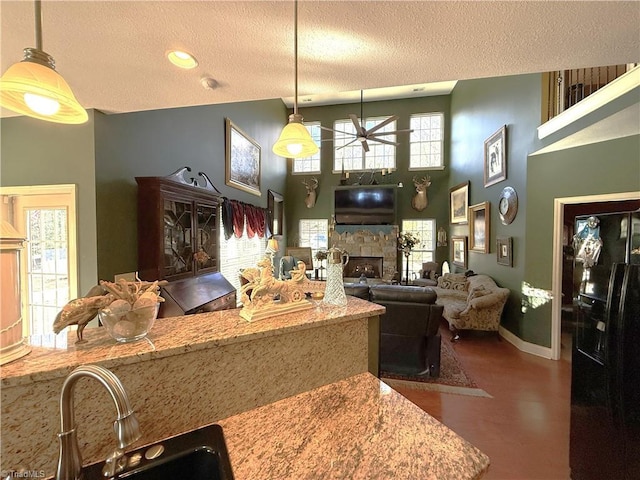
[(310, 199), (419, 201)]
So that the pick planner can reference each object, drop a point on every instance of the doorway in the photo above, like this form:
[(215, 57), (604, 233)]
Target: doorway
[(571, 205), (46, 216)]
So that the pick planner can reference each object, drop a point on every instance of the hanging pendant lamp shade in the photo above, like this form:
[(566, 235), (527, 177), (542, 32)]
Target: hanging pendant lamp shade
[(295, 140), (33, 88)]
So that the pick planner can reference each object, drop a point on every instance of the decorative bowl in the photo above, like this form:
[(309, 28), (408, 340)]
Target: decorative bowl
[(131, 325)]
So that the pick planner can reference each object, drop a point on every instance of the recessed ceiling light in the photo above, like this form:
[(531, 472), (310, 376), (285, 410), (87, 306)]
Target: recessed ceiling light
[(182, 59)]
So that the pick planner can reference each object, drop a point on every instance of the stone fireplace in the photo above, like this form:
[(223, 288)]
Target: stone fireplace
[(370, 267), (374, 244)]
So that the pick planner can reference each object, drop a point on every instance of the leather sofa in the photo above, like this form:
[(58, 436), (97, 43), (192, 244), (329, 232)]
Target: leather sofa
[(409, 338)]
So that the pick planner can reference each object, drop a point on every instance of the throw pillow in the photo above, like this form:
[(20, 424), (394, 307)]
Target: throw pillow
[(462, 286), (454, 277), (453, 281), (476, 292), (430, 274)]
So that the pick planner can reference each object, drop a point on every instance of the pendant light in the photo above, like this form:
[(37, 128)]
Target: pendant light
[(33, 88), (295, 140)]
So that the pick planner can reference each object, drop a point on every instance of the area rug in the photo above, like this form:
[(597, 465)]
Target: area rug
[(452, 379)]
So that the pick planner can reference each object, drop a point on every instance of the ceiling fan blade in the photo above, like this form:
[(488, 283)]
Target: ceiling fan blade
[(385, 122), (365, 145), (389, 133), (382, 140), (356, 123), (346, 144)]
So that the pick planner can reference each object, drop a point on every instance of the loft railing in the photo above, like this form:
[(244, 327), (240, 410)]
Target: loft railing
[(564, 88)]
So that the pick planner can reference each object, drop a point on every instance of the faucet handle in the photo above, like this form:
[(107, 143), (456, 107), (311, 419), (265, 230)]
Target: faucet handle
[(115, 463)]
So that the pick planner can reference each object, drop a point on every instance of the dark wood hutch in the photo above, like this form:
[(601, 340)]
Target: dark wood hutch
[(178, 234)]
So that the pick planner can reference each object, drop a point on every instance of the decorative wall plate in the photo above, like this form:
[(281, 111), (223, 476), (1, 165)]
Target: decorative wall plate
[(508, 205)]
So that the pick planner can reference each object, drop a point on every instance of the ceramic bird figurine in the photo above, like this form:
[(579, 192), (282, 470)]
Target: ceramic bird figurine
[(81, 311)]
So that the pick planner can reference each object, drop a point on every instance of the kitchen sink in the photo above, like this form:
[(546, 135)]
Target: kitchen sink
[(197, 455)]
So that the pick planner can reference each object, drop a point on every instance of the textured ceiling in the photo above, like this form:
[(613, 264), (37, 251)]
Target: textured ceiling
[(113, 53)]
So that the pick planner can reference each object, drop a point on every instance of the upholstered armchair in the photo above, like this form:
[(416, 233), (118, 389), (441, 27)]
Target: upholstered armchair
[(287, 263), (428, 275)]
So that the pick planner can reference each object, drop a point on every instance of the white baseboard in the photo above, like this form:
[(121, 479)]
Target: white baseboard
[(523, 346)]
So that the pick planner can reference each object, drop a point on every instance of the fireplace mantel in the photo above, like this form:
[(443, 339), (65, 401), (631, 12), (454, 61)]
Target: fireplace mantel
[(376, 229)]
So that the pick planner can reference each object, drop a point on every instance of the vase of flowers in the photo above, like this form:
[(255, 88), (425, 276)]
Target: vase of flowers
[(406, 242)]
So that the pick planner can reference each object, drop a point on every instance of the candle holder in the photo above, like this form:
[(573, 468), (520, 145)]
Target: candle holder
[(343, 177), (372, 180), (384, 172), (321, 256), (406, 256)]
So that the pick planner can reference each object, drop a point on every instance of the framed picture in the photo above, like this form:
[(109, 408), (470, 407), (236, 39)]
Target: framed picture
[(479, 216), (275, 207), (301, 253), (459, 203), (504, 247), (495, 157), (242, 155), (459, 251)]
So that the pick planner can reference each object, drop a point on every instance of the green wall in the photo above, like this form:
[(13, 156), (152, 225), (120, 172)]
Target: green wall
[(103, 157), (478, 109), (437, 193), (158, 142), (34, 152), (606, 167)]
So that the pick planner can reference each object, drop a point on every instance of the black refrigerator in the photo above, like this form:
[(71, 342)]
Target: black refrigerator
[(605, 383)]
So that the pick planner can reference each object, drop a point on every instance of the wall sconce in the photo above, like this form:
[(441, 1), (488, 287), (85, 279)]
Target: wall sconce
[(442, 237)]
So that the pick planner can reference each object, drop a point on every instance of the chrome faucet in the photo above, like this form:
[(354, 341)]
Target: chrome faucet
[(125, 426)]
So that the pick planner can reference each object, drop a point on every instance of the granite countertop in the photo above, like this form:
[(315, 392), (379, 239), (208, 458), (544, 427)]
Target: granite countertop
[(171, 336), (358, 428)]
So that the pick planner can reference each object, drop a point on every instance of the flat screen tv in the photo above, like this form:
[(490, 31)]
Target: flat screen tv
[(365, 205)]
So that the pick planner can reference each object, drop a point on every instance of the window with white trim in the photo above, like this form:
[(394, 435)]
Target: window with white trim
[(237, 253), (426, 142), (314, 233), (425, 230), (306, 165), (348, 151)]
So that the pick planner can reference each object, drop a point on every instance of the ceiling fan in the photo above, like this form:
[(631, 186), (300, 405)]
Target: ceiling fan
[(363, 135)]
